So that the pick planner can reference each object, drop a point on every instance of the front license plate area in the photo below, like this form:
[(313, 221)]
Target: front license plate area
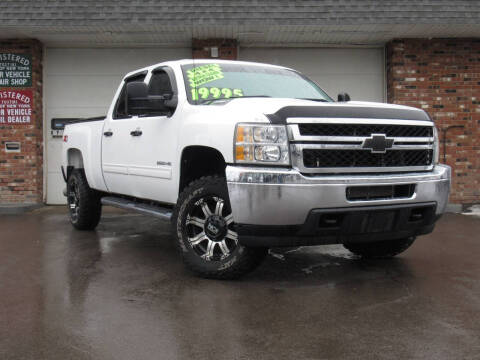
[(370, 222)]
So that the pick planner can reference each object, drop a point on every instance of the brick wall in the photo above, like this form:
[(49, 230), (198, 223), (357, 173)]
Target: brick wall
[(442, 76), (21, 174), (227, 48)]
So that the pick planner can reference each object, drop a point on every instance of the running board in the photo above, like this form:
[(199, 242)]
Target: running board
[(146, 209)]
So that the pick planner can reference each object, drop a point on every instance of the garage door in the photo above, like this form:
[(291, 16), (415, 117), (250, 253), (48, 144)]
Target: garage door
[(359, 72), (81, 83)]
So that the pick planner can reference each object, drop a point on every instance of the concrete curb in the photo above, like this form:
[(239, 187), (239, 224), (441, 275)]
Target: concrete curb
[(16, 209)]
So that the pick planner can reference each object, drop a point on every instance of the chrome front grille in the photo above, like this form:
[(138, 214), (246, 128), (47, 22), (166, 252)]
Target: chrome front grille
[(326, 158), (361, 145)]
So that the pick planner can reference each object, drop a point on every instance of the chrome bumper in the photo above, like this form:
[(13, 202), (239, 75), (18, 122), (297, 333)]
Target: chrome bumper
[(267, 196)]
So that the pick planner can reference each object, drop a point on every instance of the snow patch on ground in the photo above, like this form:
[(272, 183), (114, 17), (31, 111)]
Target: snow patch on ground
[(473, 211), (309, 269), (335, 251), (276, 255)]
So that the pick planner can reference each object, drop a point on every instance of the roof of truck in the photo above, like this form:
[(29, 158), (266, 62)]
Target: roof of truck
[(200, 61)]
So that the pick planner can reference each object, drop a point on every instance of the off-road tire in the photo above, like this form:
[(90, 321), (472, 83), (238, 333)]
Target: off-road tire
[(380, 249), (84, 203), (239, 261)]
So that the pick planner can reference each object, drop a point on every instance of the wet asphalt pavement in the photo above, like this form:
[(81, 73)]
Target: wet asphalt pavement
[(122, 293)]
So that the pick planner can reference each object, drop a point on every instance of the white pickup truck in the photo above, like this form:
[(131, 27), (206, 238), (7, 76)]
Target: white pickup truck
[(244, 156)]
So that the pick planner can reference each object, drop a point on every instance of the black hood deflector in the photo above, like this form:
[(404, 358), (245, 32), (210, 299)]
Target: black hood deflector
[(359, 112)]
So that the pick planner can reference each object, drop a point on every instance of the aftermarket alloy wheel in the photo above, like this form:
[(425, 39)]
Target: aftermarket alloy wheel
[(205, 232), (380, 249), (211, 234), (83, 202)]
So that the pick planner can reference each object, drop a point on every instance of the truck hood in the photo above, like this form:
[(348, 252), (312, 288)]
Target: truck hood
[(278, 110)]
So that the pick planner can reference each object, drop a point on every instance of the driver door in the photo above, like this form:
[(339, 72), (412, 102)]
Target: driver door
[(153, 148)]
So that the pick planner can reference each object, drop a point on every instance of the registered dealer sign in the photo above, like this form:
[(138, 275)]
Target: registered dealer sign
[(15, 70), (15, 107)]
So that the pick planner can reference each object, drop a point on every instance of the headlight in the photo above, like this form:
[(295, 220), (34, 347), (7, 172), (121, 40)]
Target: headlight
[(436, 147), (261, 144)]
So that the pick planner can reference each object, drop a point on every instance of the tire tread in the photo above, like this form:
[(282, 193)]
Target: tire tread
[(90, 209), (247, 261)]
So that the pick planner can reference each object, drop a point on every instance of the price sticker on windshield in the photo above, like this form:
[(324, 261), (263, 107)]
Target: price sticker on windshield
[(208, 93), (203, 74)]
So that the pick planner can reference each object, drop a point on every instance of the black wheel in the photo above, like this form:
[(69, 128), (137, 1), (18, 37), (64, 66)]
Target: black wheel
[(380, 249), (83, 203), (205, 232)]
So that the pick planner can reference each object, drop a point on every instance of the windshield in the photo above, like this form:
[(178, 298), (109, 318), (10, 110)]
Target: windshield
[(206, 83)]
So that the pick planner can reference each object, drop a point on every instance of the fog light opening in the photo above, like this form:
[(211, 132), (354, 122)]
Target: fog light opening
[(330, 221), (417, 215)]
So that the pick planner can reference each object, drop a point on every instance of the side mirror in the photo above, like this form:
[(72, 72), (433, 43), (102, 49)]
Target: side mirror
[(139, 102), (137, 98), (166, 102), (343, 97)]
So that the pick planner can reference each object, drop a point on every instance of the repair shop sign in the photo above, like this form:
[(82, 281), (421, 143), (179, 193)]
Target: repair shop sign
[(15, 70), (16, 107)]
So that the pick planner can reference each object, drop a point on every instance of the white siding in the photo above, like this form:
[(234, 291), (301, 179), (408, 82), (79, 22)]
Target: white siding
[(81, 83)]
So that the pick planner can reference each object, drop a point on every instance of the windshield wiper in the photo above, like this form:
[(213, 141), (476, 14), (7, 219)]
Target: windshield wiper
[(209, 101), (313, 99)]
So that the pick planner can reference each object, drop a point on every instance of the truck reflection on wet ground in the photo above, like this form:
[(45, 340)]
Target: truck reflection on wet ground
[(121, 292)]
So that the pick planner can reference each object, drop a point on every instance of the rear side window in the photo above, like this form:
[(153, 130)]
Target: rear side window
[(121, 111)]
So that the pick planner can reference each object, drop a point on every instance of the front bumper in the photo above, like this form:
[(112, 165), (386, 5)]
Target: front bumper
[(283, 200)]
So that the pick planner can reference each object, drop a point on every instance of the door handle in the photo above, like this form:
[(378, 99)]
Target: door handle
[(136, 133), (108, 133)]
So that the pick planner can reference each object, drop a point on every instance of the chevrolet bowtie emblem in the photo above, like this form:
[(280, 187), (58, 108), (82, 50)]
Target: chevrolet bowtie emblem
[(378, 143)]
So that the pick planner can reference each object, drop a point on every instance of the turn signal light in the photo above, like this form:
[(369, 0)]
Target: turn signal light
[(244, 152)]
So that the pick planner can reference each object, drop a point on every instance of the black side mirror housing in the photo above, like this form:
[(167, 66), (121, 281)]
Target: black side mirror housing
[(139, 102), (170, 100), (137, 98), (343, 97)]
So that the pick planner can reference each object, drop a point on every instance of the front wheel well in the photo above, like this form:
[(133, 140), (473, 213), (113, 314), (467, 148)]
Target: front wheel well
[(198, 161)]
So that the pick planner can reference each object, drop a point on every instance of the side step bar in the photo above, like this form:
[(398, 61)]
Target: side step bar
[(146, 209)]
